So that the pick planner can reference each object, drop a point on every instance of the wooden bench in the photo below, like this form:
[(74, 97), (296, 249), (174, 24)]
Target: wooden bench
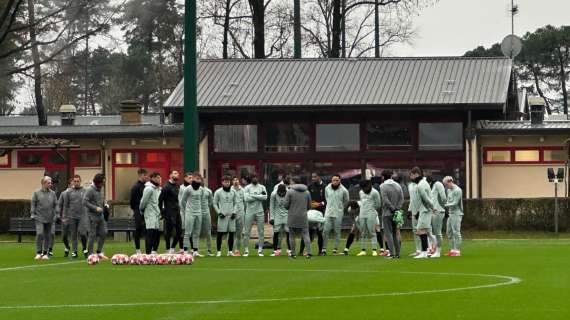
[(25, 225)]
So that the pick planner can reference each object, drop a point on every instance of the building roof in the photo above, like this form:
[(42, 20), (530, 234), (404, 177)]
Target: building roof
[(311, 83), (523, 127), (94, 131), (55, 120)]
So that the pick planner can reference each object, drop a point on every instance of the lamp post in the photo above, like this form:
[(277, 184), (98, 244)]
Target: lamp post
[(190, 91), (555, 178)]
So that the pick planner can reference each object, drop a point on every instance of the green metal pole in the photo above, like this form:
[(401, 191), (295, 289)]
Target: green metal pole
[(190, 91), (297, 28)]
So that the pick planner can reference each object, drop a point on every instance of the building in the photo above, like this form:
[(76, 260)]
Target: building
[(114, 145), (349, 116)]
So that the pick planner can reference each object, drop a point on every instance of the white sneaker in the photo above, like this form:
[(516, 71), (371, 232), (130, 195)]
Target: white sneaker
[(138, 252), (361, 254), (230, 254), (153, 253), (197, 254), (218, 254), (45, 257), (171, 251), (422, 255), (414, 254), (260, 253), (374, 253), (38, 257), (288, 252), (436, 254), (246, 254), (102, 256), (210, 254)]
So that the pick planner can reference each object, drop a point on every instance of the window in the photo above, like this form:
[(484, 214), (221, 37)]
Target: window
[(274, 173), (554, 156), (235, 138), (338, 137), (287, 137), (527, 155), (524, 155), (498, 156), (57, 158), (88, 159), (441, 136), (30, 159), (383, 134), (126, 158), (4, 159)]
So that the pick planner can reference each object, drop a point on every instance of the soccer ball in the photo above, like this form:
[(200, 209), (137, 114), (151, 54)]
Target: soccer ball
[(134, 259), (143, 259), (120, 259), (93, 259), (184, 259), (161, 259), (189, 259), (152, 259)]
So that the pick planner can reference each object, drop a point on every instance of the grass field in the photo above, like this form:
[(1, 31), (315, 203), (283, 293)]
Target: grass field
[(494, 279)]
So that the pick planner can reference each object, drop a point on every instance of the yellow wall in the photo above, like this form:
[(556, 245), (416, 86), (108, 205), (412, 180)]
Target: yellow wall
[(518, 180), (20, 183), (203, 159)]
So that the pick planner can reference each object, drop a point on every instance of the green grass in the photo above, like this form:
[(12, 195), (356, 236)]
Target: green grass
[(541, 264)]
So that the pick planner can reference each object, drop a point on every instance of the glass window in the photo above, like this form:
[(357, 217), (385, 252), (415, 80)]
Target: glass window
[(126, 158), (155, 157), (441, 136), (274, 173), (124, 179), (554, 156), (350, 174), (499, 156), (58, 158), (527, 156), (88, 158), (287, 137), (338, 137), (383, 134), (31, 159), (5, 159), (235, 138)]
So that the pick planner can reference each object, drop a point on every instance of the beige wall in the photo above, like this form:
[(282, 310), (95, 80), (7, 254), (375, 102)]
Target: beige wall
[(20, 183), (203, 159), (518, 181)]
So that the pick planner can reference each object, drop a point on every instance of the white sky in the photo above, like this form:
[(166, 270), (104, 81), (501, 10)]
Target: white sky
[(452, 27)]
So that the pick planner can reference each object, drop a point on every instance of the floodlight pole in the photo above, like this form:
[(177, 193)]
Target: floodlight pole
[(190, 91), (297, 28)]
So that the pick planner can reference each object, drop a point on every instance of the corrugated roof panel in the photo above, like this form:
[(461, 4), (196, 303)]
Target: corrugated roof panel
[(323, 82)]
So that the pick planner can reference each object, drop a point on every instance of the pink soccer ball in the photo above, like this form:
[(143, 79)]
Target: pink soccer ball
[(134, 260), (161, 259), (93, 259), (152, 259), (173, 259), (189, 259), (143, 259), (120, 259)]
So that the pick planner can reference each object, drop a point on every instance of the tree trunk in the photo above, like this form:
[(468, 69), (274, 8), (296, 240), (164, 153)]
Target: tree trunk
[(226, 29), (40, 109), (564, 89), (539, 90), (258, 19), (336, 29), (376, 30)]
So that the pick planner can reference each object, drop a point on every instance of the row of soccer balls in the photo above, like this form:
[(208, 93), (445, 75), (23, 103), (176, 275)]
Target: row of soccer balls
[(144, 259)]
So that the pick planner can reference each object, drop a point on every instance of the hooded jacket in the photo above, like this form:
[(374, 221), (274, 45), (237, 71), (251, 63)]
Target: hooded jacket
[(369, 204), (92, 200), (225, 202), (168, 201), (277, 211), (44, 206), (149, 206), (392, 197), (438, 196), (424, 197), (298, 202), (72, 203), (191, 201), (455, 201), (336, 201), (207, 201)]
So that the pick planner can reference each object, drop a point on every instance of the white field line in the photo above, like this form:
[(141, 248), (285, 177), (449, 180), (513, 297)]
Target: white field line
[(506, 281), (39, 265)]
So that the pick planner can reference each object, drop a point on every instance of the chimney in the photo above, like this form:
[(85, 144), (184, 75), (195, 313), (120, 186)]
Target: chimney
[(130, 112), (67, 113), (537, 106)]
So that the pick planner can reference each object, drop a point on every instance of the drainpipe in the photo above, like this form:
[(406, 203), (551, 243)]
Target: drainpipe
[(470, 153)]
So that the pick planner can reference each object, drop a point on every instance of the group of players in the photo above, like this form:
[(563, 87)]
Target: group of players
[(294, 209), (319, 211)]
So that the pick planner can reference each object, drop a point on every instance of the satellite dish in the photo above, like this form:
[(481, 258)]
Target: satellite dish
[(511, 46)]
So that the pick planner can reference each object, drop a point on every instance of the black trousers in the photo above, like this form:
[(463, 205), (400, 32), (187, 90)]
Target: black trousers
[(152, 240), (312, 232), (173, 224), (139, 229)]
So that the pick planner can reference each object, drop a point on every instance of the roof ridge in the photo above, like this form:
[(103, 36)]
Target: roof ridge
[(352, 59)]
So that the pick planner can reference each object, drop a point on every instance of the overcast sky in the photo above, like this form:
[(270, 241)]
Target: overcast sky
[(452, 27)]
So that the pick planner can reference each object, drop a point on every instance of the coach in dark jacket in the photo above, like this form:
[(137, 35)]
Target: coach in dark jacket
[(298, 202), (170, 210), (135, 201)]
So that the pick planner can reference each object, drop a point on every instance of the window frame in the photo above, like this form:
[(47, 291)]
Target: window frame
[(358, 144), (258, 147), (42, 153), (403, 124), (525, 148), (264, 130), (419, 136), (76, 156)]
